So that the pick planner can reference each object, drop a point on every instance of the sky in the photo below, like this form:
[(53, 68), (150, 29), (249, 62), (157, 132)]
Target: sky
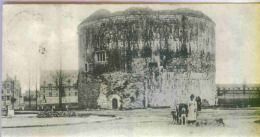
[(52, 29)]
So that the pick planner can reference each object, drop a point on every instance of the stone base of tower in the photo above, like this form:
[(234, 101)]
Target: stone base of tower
[(138, 91)]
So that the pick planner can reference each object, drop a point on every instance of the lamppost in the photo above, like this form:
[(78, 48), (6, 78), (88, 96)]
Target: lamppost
[(13, 99), (36, 89)]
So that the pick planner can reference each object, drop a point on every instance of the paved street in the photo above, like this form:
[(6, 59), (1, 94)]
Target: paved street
[(32, 121), (154, 122)]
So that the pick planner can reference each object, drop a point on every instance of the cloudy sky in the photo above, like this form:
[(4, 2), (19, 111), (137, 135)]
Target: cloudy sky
[(53, 30)]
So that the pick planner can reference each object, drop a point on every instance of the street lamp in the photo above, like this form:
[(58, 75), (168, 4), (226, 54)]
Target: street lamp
[(13, 99)]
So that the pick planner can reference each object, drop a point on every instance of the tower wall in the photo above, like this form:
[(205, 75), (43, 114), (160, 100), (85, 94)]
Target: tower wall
[(147, 58)]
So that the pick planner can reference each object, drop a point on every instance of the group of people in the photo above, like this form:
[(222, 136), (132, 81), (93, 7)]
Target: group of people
[(187, 113)]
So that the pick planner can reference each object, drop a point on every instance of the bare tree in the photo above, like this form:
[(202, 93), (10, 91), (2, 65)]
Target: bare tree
[(59, 78)]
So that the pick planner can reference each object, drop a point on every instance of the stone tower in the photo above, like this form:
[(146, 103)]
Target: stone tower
[(144, 58)]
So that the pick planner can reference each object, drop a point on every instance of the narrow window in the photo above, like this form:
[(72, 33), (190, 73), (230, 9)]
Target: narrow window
[(50, 86), (104, 57), (86, 67), (75, 86), (98, 56), (101, 56)]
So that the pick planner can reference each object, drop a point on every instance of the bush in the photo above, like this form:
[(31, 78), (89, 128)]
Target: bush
[(49, 114)]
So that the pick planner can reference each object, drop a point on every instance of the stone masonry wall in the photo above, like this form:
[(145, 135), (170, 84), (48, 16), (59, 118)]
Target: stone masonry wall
[(147, 58)]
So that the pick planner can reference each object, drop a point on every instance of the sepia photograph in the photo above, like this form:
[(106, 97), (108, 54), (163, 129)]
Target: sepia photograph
[(130, 70)]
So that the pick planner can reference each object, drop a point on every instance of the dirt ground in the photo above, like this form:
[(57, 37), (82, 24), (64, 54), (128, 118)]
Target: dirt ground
[(152, 122)]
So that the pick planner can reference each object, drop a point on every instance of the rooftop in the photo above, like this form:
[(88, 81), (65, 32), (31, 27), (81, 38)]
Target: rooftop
[(47, 75), (238, 85), (102, 13)]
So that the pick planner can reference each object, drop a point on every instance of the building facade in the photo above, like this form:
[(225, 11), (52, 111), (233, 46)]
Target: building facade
[(143, 58), (238, 95), (48, 96), (11, 88)]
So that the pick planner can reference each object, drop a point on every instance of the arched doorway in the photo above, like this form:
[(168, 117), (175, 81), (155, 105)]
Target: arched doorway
[(114, 103)]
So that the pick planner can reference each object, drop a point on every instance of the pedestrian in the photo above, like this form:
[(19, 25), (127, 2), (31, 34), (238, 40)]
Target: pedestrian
[(174, 113), (198, 100), (183, 118), (192, 110), (199, 103), (174, 116)]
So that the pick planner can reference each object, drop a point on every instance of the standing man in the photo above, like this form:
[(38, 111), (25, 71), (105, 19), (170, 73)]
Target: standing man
[(198, 100)]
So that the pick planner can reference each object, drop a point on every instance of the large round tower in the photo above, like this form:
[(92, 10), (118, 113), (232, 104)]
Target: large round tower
[(140, 58)]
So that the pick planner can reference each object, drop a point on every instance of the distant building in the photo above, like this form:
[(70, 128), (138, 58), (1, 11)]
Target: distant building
[(238, 95), (48, 96), (11, 88), (31, 93)]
